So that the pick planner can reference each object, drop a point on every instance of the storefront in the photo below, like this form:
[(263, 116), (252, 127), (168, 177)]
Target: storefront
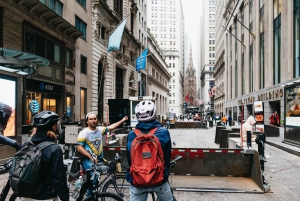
[(272, 99), (48, 95), (14, 66)]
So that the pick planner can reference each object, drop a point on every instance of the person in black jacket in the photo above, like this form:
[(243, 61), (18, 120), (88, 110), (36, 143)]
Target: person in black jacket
[(53, 171)]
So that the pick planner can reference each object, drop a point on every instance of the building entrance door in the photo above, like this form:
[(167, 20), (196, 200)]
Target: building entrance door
[(49, 104)]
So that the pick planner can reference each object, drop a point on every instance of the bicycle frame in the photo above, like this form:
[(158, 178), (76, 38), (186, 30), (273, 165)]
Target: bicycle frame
[(3, 169)]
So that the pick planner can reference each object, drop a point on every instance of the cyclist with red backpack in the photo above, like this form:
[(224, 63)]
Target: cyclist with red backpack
[(148, 154)]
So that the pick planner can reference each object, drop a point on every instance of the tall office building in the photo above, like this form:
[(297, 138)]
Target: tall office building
[(207, 52), (219, 74), (166, 22)]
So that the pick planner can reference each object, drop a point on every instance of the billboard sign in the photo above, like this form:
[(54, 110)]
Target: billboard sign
[(292, 107), (8, 87)]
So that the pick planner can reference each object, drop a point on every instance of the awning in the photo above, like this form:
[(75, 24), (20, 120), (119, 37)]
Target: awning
[(19, 62)]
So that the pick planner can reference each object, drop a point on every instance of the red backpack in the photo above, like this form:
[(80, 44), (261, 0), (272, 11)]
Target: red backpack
[(147, 160)]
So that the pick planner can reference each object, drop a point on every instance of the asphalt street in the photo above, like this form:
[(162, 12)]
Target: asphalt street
[(281, 168)]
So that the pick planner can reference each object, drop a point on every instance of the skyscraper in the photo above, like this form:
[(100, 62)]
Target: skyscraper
[(166, 22)]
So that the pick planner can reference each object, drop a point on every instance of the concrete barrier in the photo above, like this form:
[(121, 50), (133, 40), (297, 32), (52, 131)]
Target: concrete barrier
[(271, 131), (224, 138), (190, 124), (219, 133), (226, 165)]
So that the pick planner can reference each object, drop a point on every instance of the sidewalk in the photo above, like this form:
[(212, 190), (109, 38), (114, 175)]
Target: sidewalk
[(278, 142)]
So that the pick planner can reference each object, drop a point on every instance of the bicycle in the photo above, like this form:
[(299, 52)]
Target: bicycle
[(3, 169), (120, 182), (172, 164), (97, 170)]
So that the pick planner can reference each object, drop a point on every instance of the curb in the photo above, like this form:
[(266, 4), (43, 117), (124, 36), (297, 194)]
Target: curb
[(291, 151)]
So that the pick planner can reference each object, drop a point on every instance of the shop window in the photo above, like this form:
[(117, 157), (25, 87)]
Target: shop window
[(69, 110), (81, 26), (83, 64), (82, 2), (49, 104), (30, 96), (83, 100)]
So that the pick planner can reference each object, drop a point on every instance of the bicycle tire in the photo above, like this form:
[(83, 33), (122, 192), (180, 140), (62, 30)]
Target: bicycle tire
[(13, 197), (5, 191), (122, 184), (109, 196)]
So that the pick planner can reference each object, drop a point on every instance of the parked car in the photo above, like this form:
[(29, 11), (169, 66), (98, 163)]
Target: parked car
[(197, 117)]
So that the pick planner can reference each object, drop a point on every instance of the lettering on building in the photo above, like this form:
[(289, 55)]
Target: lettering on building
[(278, 93), (49, 87)]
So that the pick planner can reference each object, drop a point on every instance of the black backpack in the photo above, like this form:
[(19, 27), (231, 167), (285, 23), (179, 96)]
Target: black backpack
[(24, 175)]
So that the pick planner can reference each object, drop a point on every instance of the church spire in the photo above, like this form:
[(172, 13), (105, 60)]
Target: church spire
[(190, 58)]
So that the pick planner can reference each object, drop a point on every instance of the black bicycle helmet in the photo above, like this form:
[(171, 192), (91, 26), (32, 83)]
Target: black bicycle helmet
[(45, 119)]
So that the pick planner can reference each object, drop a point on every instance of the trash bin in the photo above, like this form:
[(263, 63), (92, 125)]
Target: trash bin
[(211, 123)]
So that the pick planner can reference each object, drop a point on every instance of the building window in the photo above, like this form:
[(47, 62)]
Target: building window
[(251, 68), (262, 59), (54, 5), (100, 90), (242, 73), (119, 83), (132, 23), (69, 58), (276, 41), (82, 2), (296, 38), (81, 26), (118, 8), (83, 64), (83, 103)]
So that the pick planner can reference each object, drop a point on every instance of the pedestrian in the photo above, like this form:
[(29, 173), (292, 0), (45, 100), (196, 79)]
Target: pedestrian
[(145, 113), (274, 119), (240, 118), (90, 143), (224, 120), (230, 120), (247, 126), (53, 171), (65, 118)]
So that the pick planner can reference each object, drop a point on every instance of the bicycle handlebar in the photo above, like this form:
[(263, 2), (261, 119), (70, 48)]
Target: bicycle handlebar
[(173, 162), (6, 166)]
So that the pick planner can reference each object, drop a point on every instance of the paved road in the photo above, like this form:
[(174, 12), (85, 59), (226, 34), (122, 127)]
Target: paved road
[(282, 170)]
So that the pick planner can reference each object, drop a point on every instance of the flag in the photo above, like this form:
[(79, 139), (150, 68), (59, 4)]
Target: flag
[(140, 62), (187, 98), (115, 38)]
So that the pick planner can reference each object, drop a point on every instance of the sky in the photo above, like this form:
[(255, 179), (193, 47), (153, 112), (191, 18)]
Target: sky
[(192, 11)]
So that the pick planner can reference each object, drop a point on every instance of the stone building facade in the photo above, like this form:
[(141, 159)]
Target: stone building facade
[(262, 59)]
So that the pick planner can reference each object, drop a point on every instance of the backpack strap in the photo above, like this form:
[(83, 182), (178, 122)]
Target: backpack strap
[(44, 144), (41, 145), (138, 132)]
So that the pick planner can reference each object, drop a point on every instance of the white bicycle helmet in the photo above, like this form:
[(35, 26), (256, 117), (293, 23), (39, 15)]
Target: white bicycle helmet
[(145, 111)]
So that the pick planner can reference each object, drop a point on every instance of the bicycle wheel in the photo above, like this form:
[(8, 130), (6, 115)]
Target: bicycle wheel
[(118, 186), (109, 196), (13, 197), (5, 191), (71, 179)]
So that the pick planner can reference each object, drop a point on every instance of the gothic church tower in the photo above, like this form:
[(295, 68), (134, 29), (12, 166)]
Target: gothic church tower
[(190, 83)]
